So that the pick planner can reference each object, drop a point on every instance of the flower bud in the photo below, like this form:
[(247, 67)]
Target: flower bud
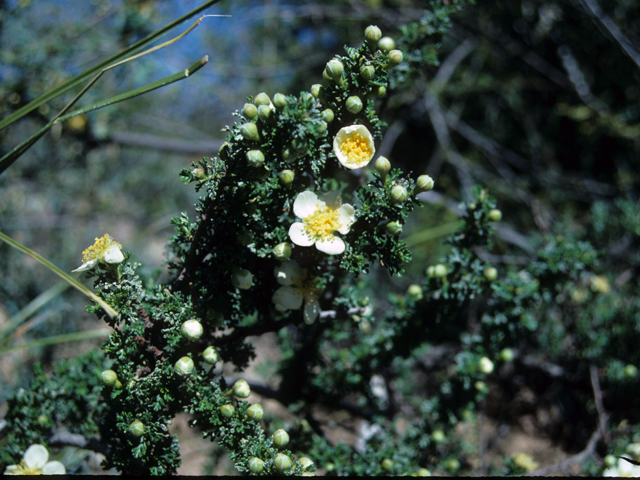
[(383, 165), (250, 132), (300, 145), (326, 75), (440, 271), (137, 428), (264, 113), (394, 228), (438, 436), (210, 355), (491, 274), (289, 154), (198, 173), (630, 371), (255, 412), (386, 44), (242, 279), (227, 410), (485, 365), (481, 386), (191, 330), (415, 291), (424, 183), (184, 366), (387, 464), (398, 194), (381, 92), (334, 68), (367, 72), (256, 465), (282, 251), (316, 90), (328, 115), (287, 177), (354, 104), (423, 472), (453, 465), (280, 101), (610, 460), (249, 111), (372, 33), (262, 99), (431, 271), (495, 215), (280, 438), (305, 462), (395, 58), (241, 389), (507, 355), (109, 378), (282, 463), (255, 158)]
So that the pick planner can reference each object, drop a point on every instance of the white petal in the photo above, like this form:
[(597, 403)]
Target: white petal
[(36, 456), (305, 204), (288, 298), (12, 470), (54, 468), (331, 246), (86, 266), (311, 309), (299, 236), (346, 214), (113, 255), (288, 273)]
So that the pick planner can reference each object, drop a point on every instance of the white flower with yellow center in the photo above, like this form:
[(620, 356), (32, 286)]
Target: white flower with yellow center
[(34, 462), (353, 146), (321, 218), (623, 469), (105, 250), (297, 287)]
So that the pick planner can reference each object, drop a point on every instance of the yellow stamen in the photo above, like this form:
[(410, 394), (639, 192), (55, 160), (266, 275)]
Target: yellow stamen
[(24, 469), (356, 148), (98, 249), (321, 224)]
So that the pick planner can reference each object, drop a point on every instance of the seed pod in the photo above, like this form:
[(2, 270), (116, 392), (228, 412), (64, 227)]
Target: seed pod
[(282, 463), (255, 412), (256, 465), (280, 438), (354, 104), (191, 330), (241, 389), (210, 355), (184, 366), (398, 194), (250, 132), (255, 158), (249, 111), (227, 410), (137, 428)]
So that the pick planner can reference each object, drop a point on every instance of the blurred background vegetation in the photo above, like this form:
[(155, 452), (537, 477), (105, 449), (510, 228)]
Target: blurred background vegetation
[(536, 100)]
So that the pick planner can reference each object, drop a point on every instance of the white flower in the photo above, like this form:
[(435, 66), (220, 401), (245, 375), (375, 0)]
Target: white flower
[(353, 146), (105, 250), (34, 462), (623, 469), (321, 217), (297, 287)]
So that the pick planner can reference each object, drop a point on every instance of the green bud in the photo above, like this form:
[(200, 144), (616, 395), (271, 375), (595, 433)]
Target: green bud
[(191, 330), (316, 90), (250, 132), (507, 355), (255, 412), (481, 386), (255, 158), (398, 194), (210, 355), (424, 183), (394, 228), (354, 104), (431, 271), (280, 438), (241, 389), (440, 271), (367, 72), (415, 291), (227, 410), (137, 428), (438, 436), (491, 274), (610, 460), (198, 173), (485, 365), (282, 251), (630, 371), (282, 463), (372, 33), (334, 68), (264, 113), (249, 111), (383, 165), (280, 101), (395, 58), (242, 279), (184, 366), (305, 462), (453, 465), (300, 145), (245, 237), (256, 465), (109, 378), (381, 92), (326, 75), (289, 154), (262, 99), (386, 44), (387, 464), (423, 472), (327, 115), (495, 215), (287, 177), (42, 420)]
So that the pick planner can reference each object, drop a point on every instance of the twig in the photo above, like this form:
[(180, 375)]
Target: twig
[(64, 439), (597, 395)]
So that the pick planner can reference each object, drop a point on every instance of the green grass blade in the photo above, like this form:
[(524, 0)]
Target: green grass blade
[(69, 84), (65, 276)]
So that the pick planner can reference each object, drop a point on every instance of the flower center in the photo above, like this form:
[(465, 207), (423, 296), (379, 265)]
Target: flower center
[(98, 249), (355, 147), (24, 469), (321, 224)]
